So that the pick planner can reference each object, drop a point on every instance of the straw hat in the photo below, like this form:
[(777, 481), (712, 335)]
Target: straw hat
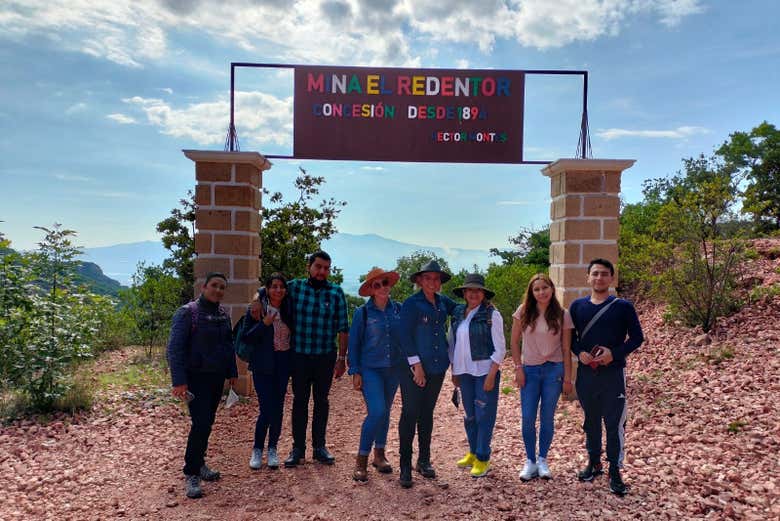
[(374, 275)]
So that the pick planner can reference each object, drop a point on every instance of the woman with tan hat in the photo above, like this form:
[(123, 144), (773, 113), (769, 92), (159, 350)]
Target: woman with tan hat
[(374, 359), (477, 348)]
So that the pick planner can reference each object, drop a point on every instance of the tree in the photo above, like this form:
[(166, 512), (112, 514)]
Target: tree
[(151, 301), (530, 247), (292, 230), (509, 282), (409, 264), (697, 259), (757, 156), (178, 237)]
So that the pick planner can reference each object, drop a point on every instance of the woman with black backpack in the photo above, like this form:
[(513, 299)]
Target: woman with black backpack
[(267, 329), (374, 360)]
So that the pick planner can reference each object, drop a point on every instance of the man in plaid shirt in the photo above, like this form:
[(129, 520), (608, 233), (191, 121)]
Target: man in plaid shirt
[(320, 313)]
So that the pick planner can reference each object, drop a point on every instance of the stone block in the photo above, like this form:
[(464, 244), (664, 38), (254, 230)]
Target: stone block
[(205, 265), (203, 195), (240, 293), (583, 182), (247, 221), (610, 228), (565, 253), (577, 229), (566, 206), (248, 174), (556, 185), (212, 171), (599, 251), (213, 220), (612, 182), (203, 243), (228, 244), (571, 276), (225, 195), (601, 206), (246, 269)]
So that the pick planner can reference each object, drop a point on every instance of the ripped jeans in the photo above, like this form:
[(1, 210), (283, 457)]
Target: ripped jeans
[(479, 408)]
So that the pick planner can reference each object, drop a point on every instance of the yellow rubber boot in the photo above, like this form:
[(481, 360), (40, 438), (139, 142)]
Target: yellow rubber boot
[(467, 460), (480, 468)]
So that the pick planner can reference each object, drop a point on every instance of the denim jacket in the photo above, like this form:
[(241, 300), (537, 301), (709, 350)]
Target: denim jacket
[(378, 343), (424, 330), (206, 348), (480, 335)]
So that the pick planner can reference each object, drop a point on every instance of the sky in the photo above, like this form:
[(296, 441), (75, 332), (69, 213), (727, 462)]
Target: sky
[(98, 98)]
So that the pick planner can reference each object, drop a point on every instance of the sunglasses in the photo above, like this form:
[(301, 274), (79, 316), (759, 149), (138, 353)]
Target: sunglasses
[(378, 284)]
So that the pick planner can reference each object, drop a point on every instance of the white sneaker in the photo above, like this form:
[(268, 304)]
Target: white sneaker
[(529, 471), (257, 459), (542, 469)]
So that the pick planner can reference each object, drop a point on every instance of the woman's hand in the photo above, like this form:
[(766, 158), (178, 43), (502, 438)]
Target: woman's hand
[(567, 387), (255, 309), (519, 377), (357, 382), (269, 317), (456, 380), (490, 382), (418, 374)]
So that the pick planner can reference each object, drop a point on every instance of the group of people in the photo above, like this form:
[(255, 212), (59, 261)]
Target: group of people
[(298, 329)]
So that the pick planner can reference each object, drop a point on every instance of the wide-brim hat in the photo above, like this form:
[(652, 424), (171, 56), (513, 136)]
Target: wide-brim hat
[(375, 274), (431, 267), (474, 281)]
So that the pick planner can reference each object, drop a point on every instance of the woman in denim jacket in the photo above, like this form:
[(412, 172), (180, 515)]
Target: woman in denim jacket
[(374, 358), (477, 348), (200, 356), (268, 327), (424, 342)]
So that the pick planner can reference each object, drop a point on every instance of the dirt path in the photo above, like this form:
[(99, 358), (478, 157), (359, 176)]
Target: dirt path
[(702, 442)]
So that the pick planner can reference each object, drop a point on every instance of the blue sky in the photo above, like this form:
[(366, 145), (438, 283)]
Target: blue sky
[(99, 97)]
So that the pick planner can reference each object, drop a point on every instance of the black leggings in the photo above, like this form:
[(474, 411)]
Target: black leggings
[(417, 411)]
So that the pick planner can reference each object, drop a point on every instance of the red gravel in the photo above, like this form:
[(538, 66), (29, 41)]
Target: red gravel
[(702, 442)]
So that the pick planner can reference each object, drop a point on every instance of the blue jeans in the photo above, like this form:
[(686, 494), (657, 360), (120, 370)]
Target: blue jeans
[(542, 383), (271, 390), (379, 387), (479, 409)]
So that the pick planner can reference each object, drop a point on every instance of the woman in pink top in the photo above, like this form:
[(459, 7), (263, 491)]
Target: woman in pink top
[(542, 367)]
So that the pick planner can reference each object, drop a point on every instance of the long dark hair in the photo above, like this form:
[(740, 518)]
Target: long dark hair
[(554, 313), (285, 310)]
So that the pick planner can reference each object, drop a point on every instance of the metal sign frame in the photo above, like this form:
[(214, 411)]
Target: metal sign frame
[(583, 145)]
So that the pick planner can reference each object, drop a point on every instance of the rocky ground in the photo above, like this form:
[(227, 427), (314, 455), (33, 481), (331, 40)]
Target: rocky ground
[(703, 442)]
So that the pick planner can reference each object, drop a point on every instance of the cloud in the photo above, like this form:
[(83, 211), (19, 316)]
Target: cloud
[(166, 90), (263, 117), (121, 119), (364, 32), (75, 178), (76, 107), (677, 133), (373, 168), (517, 203)]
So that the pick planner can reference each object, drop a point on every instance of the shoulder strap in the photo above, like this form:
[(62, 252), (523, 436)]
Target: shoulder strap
[(193, 307), (596, 317)]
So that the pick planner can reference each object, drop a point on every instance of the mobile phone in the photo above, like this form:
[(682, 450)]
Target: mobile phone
[(188, 396)]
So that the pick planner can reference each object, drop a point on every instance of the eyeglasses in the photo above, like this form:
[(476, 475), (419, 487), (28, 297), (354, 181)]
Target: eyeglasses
[(378, 284)]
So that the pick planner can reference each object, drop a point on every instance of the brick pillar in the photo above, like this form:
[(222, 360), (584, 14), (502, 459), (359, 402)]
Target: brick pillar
[(227, 226), (584, 219)]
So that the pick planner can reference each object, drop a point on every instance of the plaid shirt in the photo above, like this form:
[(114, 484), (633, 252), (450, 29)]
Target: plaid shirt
[(319, 315)]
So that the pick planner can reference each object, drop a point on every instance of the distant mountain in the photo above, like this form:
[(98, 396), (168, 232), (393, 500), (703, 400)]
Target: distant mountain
[(354, 254), (120, 260), (90, 274)]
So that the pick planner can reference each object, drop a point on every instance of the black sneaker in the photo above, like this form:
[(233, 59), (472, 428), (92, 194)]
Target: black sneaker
[(425, 469), (405, 479), (206, 474), (294, 459), (590, 472), (192, 486), (616, 485), (322, 455)]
